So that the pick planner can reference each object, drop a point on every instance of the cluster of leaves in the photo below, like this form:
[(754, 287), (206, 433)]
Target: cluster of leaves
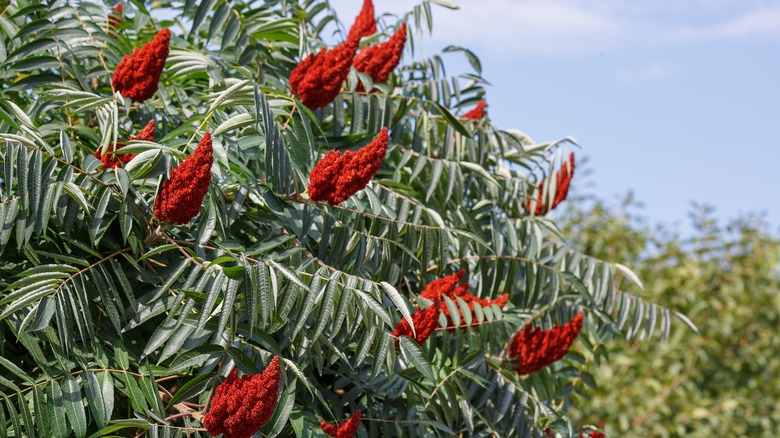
[(726, 278), (109, 328)]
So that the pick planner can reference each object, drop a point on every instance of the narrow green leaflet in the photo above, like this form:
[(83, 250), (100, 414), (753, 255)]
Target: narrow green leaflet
[(399, 302), (74, 406), (416, 357)]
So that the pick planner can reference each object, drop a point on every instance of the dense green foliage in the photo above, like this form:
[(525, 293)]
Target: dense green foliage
[(111, 325), (725, 382)]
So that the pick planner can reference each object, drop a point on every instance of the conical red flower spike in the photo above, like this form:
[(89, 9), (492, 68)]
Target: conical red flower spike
[(347, 429), (318, 78), (241, 405), (379, 60), (365, 23), (562, 182), (146, 134), (329, 429), (138, 74), (534, 348), (113, 160), (425, 323), (337, 177), (477, 112), (182, 195)]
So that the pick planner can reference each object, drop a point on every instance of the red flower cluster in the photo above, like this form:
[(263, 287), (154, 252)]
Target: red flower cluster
[(115, 18), (562, 182), (379, 60), (336, 177), (365, 23), (113, 160), (242, 405), (425, 322), (477, 112), (447, 286), (346, 430), (442, 286), (534, 348), (317, 79), (182, 194), (138, 73)]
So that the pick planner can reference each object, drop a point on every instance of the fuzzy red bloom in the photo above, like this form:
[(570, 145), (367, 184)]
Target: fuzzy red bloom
[(336, 177), (379, 60), (329, 429), (447, 286), (365, 23), (241, 405), (113, 160), (346, 430), (425, 322), (534, 348), (442, 286), (562, 182), (477, 112), (115, 18), (318, 78), (182, 194), (138, 74)]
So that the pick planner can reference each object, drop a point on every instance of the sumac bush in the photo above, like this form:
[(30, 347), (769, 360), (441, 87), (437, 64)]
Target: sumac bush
[(213, 220)]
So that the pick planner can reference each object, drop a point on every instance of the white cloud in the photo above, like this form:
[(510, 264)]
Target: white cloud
[(584, 27), (760, 23), (528, 26)]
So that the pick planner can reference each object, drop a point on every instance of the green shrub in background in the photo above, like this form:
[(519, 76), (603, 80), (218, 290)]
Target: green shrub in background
[(725, 382), (115, 324)]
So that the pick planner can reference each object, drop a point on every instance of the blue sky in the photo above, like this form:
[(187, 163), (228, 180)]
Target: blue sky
[(677, 100)]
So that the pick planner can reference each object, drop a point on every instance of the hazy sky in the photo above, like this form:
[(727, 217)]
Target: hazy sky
[(677, 100)]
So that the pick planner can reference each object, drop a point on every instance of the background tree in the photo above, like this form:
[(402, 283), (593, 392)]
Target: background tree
[(723, 382), (121, 317)]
